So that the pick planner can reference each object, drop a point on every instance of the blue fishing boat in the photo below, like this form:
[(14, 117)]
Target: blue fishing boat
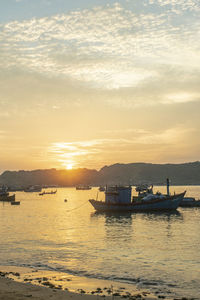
[(119, 199)]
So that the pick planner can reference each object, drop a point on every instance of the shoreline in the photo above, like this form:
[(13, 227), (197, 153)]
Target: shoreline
[(17, 283)]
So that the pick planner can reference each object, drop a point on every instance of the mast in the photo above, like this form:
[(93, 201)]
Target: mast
[(168, 186)]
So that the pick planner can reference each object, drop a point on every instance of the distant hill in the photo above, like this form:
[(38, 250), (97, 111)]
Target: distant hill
[(134, 173), (48, 177)]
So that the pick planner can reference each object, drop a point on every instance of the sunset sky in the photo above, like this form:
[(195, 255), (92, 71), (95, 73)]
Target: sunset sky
[(88, 83)]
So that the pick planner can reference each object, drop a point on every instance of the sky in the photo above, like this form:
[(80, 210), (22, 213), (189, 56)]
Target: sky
[(89, 83)]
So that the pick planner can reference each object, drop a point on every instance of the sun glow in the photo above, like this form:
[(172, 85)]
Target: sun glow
[(69, 166)]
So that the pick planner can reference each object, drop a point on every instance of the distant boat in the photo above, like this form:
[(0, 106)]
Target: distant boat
[(118, 199), (101, 188), (15, 202), (190, 202), (33, 188), (5, 196), (48, 193), (83, 187)]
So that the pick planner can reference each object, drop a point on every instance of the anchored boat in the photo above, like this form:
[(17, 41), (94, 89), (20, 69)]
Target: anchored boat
[(119, 199), (15, 202), (190, 202), (102, 189), (48, 193), (83, 187), (33, 188), (5, 196)]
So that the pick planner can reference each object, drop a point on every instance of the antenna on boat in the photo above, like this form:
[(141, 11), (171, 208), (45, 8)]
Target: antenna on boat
[(168, 186)]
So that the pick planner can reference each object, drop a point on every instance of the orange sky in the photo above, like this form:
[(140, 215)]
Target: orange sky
[(92, 84)]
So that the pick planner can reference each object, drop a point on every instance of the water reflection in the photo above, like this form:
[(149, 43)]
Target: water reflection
[(117, 226), (115, 216), (127, 223), (121, 217), (165, 220), (160, 216)]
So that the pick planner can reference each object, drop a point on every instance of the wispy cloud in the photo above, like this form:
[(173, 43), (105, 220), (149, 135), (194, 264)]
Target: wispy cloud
[(149, 144), (106, 47), (178, 6), (181, 98)]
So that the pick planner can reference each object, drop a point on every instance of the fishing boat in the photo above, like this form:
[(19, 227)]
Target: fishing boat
[(5, 196), (190, 202), (48, 193), (32, 189), (119, 199), (102, 188), (83, 187)]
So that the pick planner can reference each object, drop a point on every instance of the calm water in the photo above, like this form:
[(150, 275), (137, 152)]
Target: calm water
[(157, 252)]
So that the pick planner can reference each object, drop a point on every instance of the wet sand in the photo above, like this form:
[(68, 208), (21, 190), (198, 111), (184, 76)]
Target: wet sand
[(22, 283)]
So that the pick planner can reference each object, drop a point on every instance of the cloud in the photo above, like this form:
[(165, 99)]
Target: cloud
[(181, 98), (109, 47), (178, 6), (153, 146)]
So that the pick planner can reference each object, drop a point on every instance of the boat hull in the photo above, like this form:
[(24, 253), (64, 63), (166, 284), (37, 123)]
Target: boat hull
[(15, 202), (171, 203)]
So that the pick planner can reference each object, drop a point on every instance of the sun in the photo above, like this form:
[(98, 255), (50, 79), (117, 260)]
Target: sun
[(69, 166)]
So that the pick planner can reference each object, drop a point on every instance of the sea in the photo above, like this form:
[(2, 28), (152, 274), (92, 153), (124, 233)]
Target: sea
[(156, 252)]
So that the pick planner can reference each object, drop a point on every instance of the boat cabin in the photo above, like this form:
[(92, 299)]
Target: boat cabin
[(118, 194)]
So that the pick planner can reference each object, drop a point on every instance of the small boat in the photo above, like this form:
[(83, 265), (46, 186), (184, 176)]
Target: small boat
[(101, 188), (33, 188), (83, 187), (5, 196), (15, 202), (118, 199), (190, 202), (48, 193)]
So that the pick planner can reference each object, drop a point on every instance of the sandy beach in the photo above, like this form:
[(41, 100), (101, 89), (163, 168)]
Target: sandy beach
[(23, 283), (12, 290)]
